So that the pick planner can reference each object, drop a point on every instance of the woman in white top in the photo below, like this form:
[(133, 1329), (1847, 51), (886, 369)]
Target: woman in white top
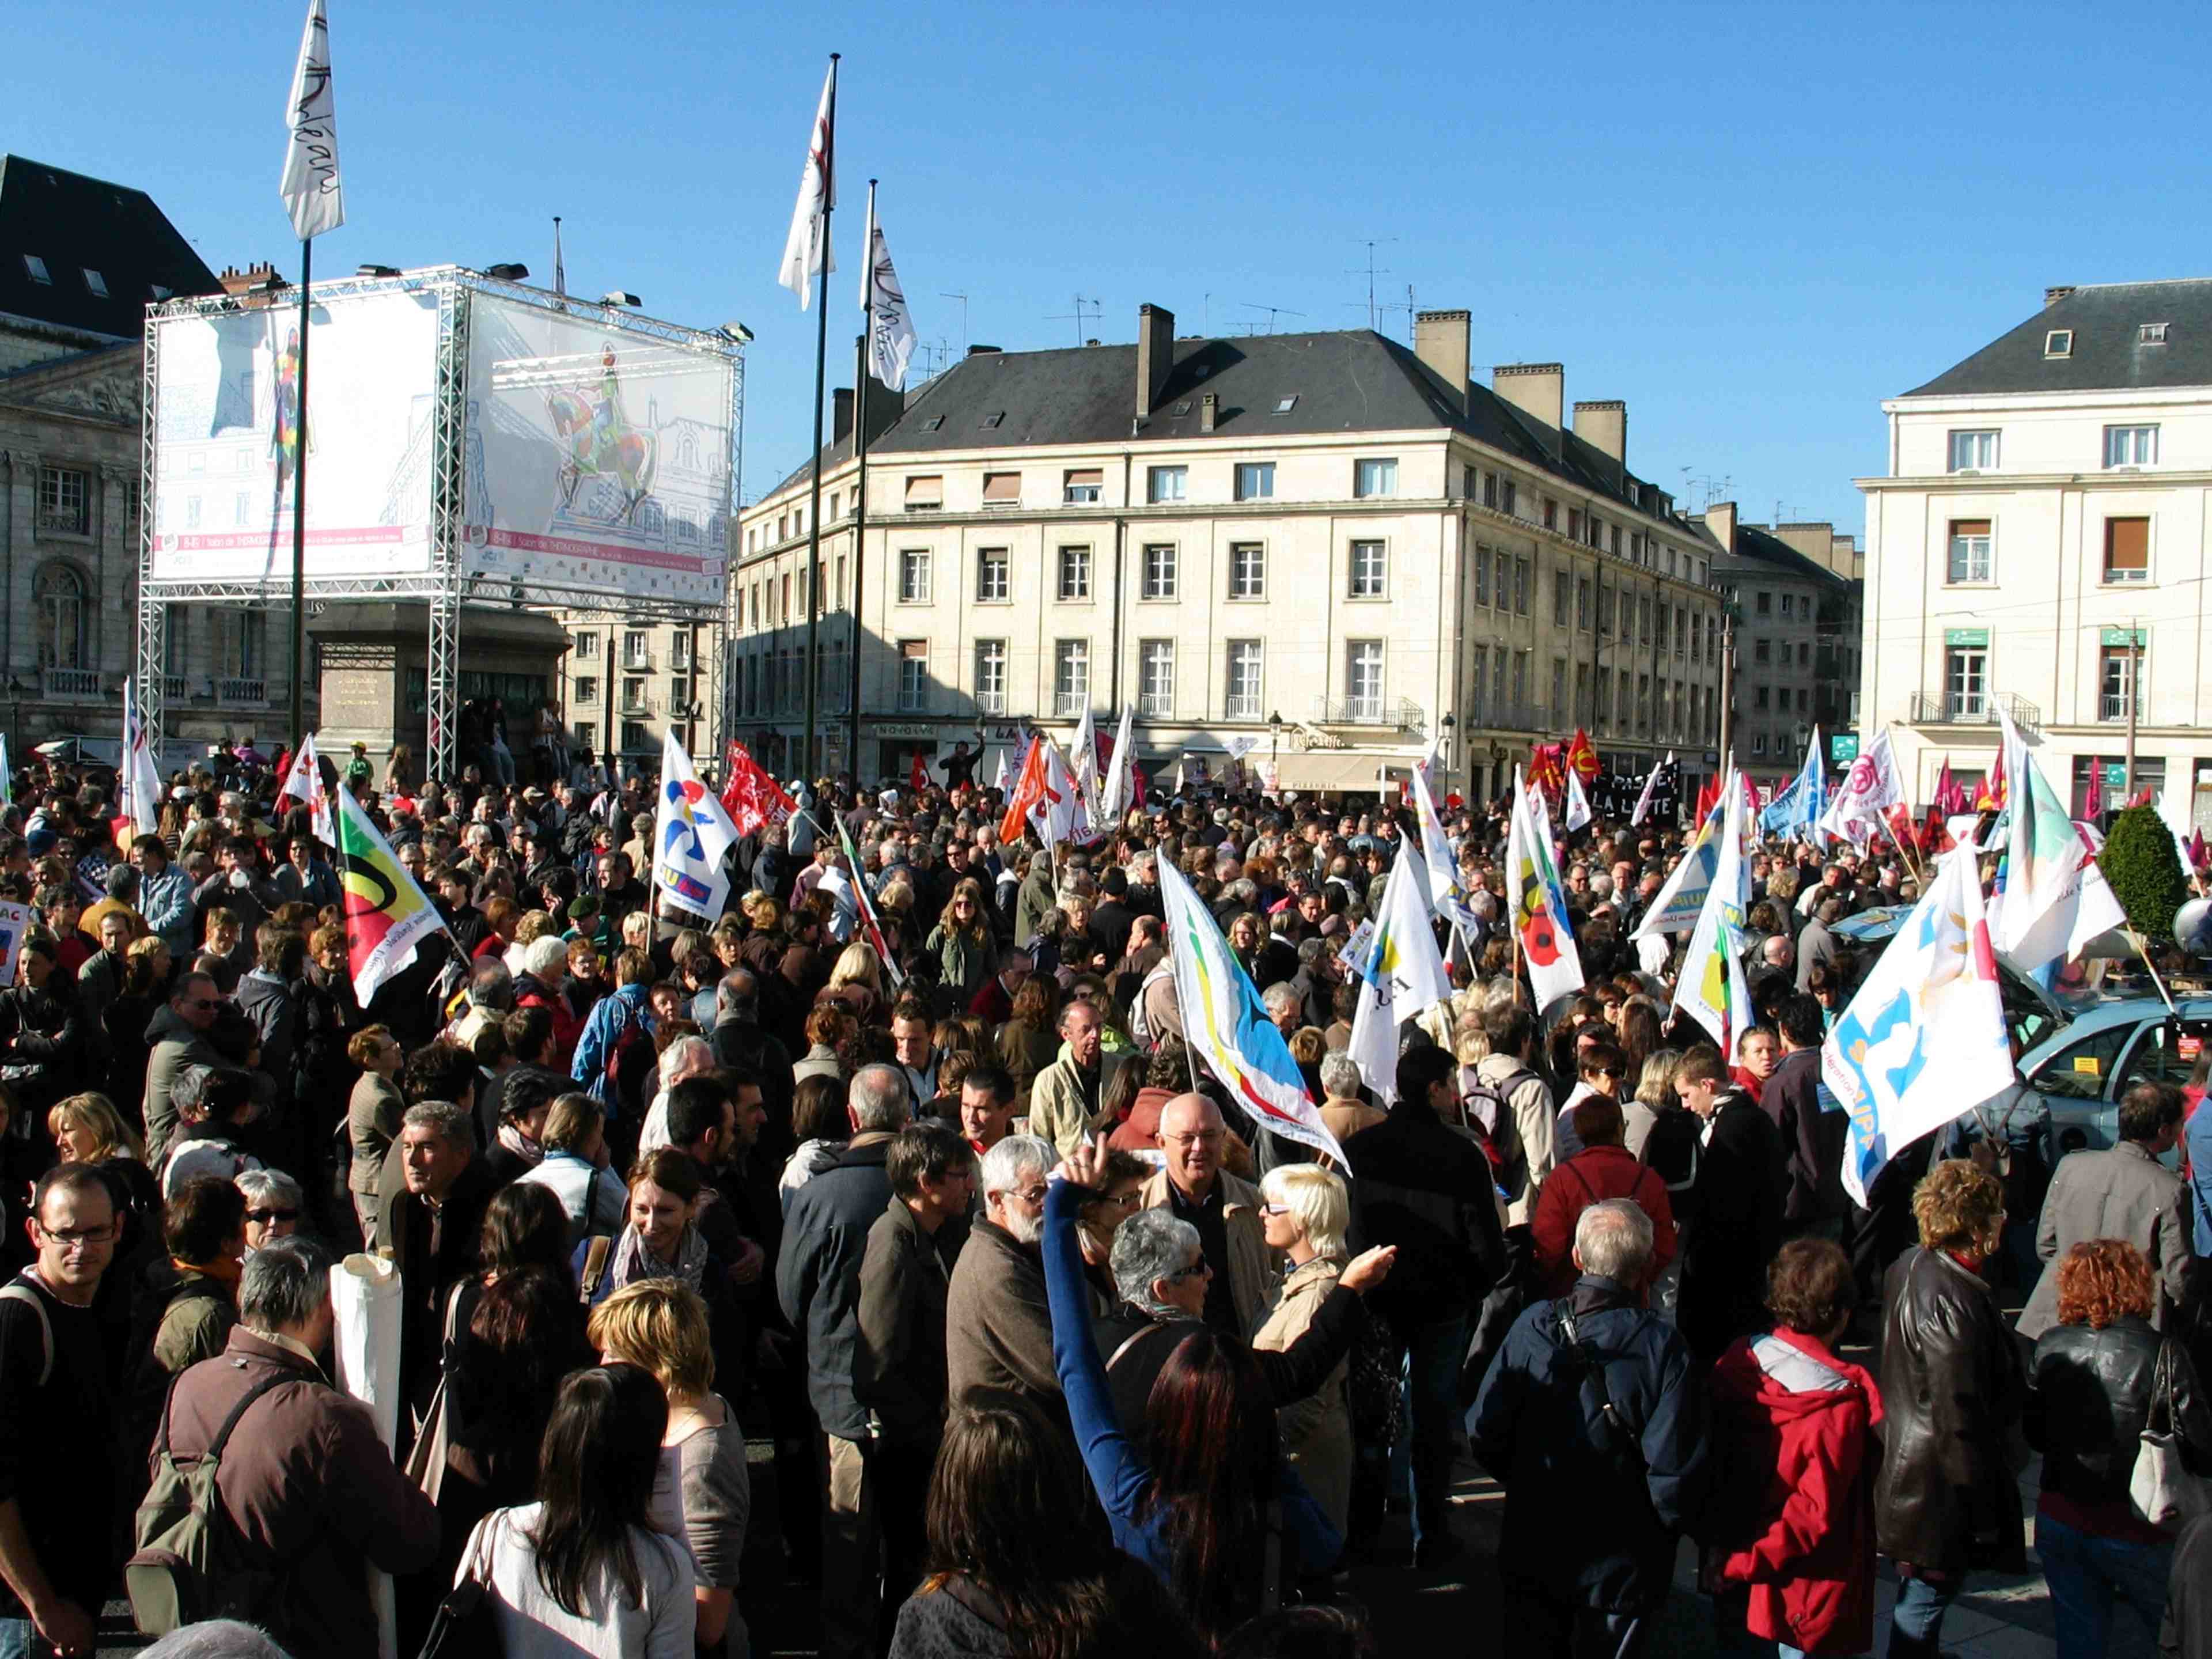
[(704, 1493), (581, 1572)]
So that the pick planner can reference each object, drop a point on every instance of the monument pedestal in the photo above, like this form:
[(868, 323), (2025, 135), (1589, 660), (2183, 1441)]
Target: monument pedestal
[(375, 673)]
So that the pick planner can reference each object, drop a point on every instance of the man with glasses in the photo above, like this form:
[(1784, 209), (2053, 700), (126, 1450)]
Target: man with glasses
[(178, 1038), (998, 1323), (57, 1435), (1194, 1188)]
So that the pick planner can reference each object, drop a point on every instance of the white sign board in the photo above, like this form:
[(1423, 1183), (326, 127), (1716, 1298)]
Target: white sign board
[(597, 457), (227, 435), (13, 920)]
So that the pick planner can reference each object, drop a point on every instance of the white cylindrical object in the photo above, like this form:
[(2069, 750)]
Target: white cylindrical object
[(365, 1298)]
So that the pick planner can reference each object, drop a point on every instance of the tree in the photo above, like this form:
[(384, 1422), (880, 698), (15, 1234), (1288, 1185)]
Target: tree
[(2145, 873)]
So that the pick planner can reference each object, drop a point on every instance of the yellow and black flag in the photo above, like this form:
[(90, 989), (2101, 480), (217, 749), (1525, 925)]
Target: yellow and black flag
[(386, 913)]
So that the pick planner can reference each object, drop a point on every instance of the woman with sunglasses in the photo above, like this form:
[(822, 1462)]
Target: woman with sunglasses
[(274, 1206), (966, 951), (1306, 1214), (1599, 1068)]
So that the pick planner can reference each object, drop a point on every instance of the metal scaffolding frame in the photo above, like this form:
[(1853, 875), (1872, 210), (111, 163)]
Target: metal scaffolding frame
[(445, 587)]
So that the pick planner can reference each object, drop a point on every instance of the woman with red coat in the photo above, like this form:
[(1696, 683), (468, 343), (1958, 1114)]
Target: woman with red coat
[(1790, 1560)]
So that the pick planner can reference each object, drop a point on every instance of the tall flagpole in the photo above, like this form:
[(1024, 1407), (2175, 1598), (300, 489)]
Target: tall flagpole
[(814, 502), (860, 486), (300, 514)]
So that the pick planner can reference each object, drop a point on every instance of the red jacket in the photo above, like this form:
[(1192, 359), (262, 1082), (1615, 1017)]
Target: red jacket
[(1593, 1174), (1793, 1490)]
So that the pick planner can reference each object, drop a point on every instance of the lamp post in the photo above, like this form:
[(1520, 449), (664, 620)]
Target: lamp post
[(1275, 751), (1446, 728)]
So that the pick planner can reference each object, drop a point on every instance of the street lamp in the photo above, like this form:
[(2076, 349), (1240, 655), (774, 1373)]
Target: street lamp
[(619, 297), (376, 270), (507, 273), (1275, 748)]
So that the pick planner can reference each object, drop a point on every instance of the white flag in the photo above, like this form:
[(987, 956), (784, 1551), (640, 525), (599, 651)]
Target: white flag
[(806, 249), (1114, 793), (890, 324), (1083, 767), (999, 779), (689, 837), (1924, 1038), (310, 189), (303, 782), (1870, 787), (1402, 975), (1711, 988), (1446, 894), (2053, 897), (138, 784), (1579, 810), (1532, 885)]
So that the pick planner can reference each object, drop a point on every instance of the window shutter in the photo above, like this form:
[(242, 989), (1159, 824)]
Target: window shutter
[(1002, 487), (925, 492), (1092, 477), (2127, 544), (1970, 526)]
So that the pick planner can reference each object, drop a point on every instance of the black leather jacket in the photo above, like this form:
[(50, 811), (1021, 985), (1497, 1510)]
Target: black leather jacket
[(1952, 1392), (2091, 1392)]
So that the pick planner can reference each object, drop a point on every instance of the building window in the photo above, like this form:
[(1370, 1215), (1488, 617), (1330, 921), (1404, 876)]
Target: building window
[(993, 577), (2058, 342), (1521, 682), (1255, 481), (1758, 743), (837, 594), (2146, 333), (1071, 677), (1616, 541), (1582, 605), (1002, 489), (1247, 570), (1970, 550), (1762, 698), (1582, 691), (64, 501), (637, 649), (1644, 619), (2126, 549), (1480, 659), (1246, 659), (1762, 651), (914, 576), (1789, 603), (1508, 497), (990, 677), (35, 269), (1159, 570), (633, 695), (1559, 690), (61, 596), (1363, 678), (97, 285), (925, 495), (1965, 682), (635, 739), (1074, 572), (1563, 587), (1626, 627), (1973, 452), (1574, 524), (2119, 678), (586, 646), (2131, 445), (1482, 577), (1551, 513), (588, 688), (1766, 603), (1378, 477), (1681, 632), (914, 676), (679, 650), (1490, 489), (1166, 483), (1521, 583), (1370, 568), (1155, 663), (1080, 485)]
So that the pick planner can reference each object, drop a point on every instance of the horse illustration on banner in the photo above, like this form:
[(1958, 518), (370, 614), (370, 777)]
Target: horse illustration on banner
[(600, 442)]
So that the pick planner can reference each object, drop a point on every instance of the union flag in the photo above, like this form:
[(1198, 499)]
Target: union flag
[(1581, 756), (750, 796), (386, 913)]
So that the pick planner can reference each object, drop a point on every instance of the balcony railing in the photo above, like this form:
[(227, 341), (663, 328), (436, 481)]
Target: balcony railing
[(78, 523), (1244, 708), (636, 703), (175, 688), (1368, 711), (1956, 708), (1070, 705), (240, 689), (69, 683)]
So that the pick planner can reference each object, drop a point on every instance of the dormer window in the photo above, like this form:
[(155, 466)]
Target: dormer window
[(2059, 342), (96, 283), (36, 269), (2151, 334)]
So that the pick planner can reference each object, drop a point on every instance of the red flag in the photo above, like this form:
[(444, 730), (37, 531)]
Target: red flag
[(917, 776), (1709, 797), (1582, 756), (1991, 795), (750, 796), (2093, 802), (1029, 792), (1544, 771), (2141, 797)]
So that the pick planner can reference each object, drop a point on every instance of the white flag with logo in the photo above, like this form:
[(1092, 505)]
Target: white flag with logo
[(890, 324), (310, 188), (139, 785), (1114, 793), (1401, 975), (1870, 787), (690, 836), (806, 250), (303, 782), (1578, 808)]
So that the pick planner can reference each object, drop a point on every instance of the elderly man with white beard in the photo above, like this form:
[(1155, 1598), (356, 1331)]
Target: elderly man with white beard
[(998, 1323)]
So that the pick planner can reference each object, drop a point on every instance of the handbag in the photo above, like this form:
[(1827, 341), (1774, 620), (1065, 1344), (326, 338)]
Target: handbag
[(426, 1460), (2160, 1489), (467, 1621)]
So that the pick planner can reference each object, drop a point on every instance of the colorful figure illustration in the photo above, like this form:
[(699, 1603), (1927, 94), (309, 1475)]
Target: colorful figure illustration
[(600, 441), (285, 411)]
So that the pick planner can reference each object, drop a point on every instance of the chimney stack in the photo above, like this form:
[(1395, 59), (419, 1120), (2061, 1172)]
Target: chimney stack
[(1155, 355), (1720, 519), (1440, 341), (1537, 390), (1208, 407), (1604, 427), (840, 414), (2051, 296)]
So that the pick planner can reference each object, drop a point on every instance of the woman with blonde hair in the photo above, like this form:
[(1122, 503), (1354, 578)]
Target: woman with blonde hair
[(88, 1129), (1305, 1212), (702, 1495), (966, 951), (1947, 1500), (856, 979)]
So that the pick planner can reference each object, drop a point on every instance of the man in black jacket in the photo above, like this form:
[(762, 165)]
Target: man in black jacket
[(1812, 1139), (1734, 1225), (1419, 1186), (739, 1039), (817, 1281), (1593, 1422)]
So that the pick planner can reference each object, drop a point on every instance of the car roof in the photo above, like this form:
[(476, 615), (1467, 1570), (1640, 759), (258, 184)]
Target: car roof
[(2096, 1017)]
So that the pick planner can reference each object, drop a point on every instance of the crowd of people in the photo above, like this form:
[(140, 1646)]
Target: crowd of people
[(1040, 1340)]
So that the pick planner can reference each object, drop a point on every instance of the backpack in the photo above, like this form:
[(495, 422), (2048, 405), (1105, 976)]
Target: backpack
[(185, 1568), (631, 1065), (16, 1291)]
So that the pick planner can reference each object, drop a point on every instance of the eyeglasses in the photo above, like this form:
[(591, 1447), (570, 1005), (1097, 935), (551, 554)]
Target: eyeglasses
[(263, 1217), (1028, 1195), (1204, 1138), (204, 1002), (78, 1238), (1605, 1071), (1200, 1268), (1274, 1209), (1119, 1201)]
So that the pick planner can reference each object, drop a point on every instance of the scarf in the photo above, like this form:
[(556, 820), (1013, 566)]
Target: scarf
[(512, 1138), (634, 1261)]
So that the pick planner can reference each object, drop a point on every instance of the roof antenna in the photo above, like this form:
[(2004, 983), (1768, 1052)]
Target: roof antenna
[(1272, 311), (1084, 309), (963, 318), (1371, 273)]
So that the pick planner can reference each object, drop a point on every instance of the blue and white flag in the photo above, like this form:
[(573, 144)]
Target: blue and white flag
[(690, 838), (1924, 1038), (138, 787), (1401, 975), (1676, 906), (1803, 800), (1711, 988)]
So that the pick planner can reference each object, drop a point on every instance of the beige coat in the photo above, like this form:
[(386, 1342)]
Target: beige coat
[(1057, 1111), (1251, 1280), (2123, 1193), (1317, 1430)]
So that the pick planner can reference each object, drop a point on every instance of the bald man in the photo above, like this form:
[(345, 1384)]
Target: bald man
[(1194, 1188)]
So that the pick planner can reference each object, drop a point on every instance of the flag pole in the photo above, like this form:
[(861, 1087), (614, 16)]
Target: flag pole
[(814, 500), (300, 513), (861, 484)]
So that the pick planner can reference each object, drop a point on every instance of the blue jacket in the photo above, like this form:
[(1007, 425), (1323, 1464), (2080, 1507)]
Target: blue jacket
[(2198, 1149), (1594, 1500), (603, 1025), (165, 899)]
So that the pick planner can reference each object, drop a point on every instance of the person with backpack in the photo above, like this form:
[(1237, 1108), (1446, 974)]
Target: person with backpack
[(271, 1490), (58, 1440), (615, 1055)]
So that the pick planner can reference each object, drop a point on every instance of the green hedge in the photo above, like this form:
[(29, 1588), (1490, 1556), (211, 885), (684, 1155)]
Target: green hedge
[(2146, 875)]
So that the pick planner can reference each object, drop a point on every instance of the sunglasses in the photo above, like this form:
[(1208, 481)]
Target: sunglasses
[(1198, 1269), (1605, 1071), (263, 1217)]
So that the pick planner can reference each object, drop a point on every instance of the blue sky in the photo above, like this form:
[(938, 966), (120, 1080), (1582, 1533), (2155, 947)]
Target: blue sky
[(1752, 222)]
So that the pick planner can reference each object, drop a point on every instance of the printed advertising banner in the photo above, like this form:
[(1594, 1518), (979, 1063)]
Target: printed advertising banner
[(227, 428), (598, 458)]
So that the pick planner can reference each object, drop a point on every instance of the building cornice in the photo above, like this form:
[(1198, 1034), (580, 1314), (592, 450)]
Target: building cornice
[(1984, 484), (2007, 402)]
